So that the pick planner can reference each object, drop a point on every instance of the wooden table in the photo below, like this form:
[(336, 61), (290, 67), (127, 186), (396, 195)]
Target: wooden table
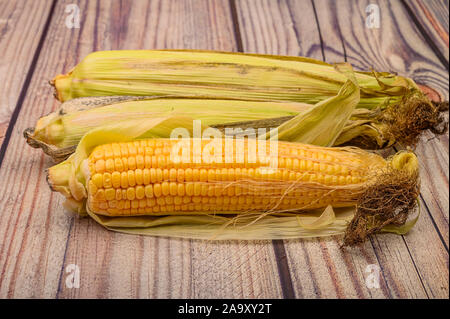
[(39, 239)]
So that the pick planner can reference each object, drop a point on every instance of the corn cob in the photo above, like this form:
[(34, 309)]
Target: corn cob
[(226, 75), (222, 75), (123, 183), (59, 132), (145, 178), (66, 126)]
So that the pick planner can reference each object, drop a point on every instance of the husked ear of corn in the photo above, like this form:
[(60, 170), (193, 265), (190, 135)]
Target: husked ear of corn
[(227, 75), (126, 185)]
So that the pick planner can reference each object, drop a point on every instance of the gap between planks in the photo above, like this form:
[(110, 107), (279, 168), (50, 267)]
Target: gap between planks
[(425, 35)]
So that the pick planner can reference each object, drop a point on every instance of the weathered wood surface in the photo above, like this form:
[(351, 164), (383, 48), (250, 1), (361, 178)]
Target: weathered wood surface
[(401, 48), (39, 240), (397, 47), (432, 15), (17, 47)]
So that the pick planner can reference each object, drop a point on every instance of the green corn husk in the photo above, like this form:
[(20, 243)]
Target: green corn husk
[(401, 110), (59, 132), (222, 75)]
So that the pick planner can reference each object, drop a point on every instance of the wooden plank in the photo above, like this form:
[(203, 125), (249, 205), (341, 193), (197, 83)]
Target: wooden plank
[(270, 27), (17, 46), (39, 240), (434, 159), (398, 47), (394, 47), (321, 269), (432, 15), (430, 257), (318, 267)]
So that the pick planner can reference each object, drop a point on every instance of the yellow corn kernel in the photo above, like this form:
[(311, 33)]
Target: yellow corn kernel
[(131, 178), (110, 194), (100, 166), (115, 179), (107, 180), (138, 176), (124, 179), (146, 176), (140, 192), (131, 194), (97, 179), (165, 188), (148, 191), (157, 191)]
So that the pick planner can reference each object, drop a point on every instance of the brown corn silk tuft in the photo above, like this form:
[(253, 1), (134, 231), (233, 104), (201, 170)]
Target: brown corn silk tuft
[(404, 123), (388, 201), (413, 116)]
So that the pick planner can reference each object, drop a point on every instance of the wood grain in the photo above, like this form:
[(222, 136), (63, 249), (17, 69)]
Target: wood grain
[(18, 47), (39, 239), (434, 168), (396, 46), (432, 15), (323, 270), (374, 47), (329, 271), (271, 27)]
